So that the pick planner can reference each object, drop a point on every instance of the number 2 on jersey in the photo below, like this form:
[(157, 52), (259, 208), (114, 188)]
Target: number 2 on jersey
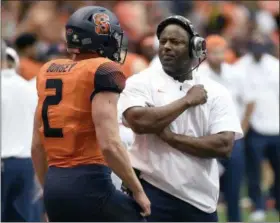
[(52, 100)]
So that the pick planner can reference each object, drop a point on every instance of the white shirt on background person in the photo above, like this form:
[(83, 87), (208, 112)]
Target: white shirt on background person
[(235, 80), (264, 76), (18, 104)]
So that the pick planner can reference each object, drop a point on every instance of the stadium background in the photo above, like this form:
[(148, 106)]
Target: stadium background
[(234, 20)]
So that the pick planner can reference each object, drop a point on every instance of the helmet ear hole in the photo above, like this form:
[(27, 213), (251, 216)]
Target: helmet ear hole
[(90, 18)]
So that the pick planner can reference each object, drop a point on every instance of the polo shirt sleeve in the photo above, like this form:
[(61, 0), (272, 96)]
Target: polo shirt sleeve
[(136, 93), (223, 115)]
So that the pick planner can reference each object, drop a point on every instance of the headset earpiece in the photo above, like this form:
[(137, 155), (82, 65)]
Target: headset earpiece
[(198, 47)]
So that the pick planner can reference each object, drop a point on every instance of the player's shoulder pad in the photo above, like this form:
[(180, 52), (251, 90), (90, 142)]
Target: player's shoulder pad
[(109, 77)]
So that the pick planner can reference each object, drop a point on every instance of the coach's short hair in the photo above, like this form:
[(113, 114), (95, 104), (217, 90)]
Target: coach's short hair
[(3, 50)]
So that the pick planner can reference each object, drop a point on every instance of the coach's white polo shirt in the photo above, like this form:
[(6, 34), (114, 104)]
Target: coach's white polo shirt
[(265, 78), (186, 177), (236, 82), (155, 62), (18, 104), (126, 134)]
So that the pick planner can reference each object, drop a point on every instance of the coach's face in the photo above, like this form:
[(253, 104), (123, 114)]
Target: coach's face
[(174, 49)]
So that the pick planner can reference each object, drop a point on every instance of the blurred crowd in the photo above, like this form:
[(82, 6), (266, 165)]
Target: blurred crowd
[(36, 29), (35, 33)]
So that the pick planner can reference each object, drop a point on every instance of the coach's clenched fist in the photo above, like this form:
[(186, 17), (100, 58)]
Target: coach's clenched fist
[(197, 95)]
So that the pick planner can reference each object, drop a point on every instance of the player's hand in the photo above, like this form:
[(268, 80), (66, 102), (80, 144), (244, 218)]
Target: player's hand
[(45, 218), (166, 134), (144, 202), (197, 95)]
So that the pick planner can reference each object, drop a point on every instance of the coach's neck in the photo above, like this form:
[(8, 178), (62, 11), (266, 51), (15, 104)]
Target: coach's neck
[(182, 71), (184, 77), (181, 76)]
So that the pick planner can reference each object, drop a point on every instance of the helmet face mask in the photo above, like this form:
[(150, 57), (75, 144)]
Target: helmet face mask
[(114, 49), (96, 29), (120, 54)]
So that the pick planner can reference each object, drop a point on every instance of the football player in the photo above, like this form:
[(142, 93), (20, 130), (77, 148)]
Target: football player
[(76, 141)]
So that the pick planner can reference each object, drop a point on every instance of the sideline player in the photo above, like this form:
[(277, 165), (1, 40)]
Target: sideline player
[(76, 137)]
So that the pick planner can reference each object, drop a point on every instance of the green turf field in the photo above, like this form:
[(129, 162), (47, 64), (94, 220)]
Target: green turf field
[(271, 216)]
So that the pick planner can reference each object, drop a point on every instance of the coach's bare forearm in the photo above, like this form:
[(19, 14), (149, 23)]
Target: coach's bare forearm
[(144, 120), (213, 146)]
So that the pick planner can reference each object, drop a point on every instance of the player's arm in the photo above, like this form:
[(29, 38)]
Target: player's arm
[(224, 128), (38, 153), (109, 82), (144, 120), (104, 114)]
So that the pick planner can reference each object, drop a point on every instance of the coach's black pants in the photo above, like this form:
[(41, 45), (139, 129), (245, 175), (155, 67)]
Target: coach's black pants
[(167, 208)]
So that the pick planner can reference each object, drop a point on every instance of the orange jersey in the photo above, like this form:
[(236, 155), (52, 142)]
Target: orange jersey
[(65, 89)]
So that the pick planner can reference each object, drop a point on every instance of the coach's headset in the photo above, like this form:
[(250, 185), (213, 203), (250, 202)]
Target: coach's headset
[(197, 44)]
